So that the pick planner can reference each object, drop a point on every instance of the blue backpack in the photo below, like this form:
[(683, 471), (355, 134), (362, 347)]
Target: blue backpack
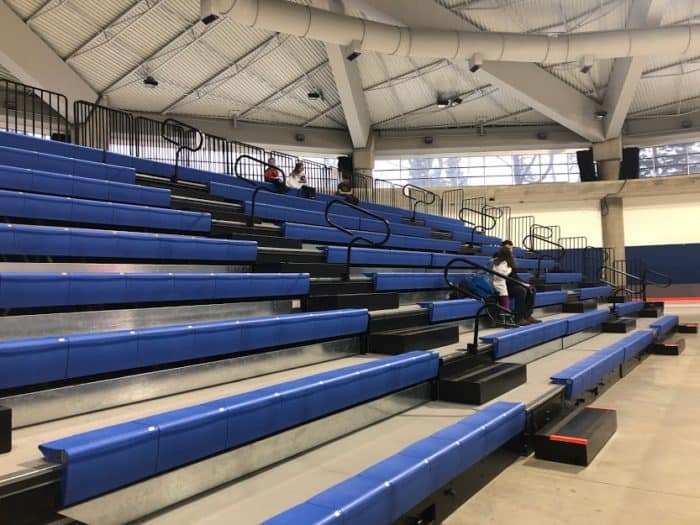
[(481, 286)]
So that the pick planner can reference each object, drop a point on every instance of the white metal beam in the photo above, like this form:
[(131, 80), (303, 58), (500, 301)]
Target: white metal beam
[(33, 62), (628, 71), (348, 84), (532, 85)]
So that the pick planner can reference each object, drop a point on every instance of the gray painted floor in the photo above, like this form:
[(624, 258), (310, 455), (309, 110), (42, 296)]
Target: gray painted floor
[(646, 474)]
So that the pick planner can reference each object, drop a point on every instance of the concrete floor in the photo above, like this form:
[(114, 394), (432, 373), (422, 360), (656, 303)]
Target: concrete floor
[(646, 474)]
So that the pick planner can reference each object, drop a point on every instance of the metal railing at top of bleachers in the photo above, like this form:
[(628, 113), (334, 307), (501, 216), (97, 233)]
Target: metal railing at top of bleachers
[(418, 195), (320, 176), (478, 227), (103, 128), (486, 303), (356, 238), (451, 202), (254, 170), (543, 236), (285, 161), (363, 187), (257, 185), (191, 140), (631, 277), (30, 110), (388, 193)]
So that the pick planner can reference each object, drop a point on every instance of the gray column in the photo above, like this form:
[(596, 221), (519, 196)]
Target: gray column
[(613, 224)]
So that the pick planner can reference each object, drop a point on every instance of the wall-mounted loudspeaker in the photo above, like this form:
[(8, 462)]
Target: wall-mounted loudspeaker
[(345, 164), (629, 167), (586, 166)]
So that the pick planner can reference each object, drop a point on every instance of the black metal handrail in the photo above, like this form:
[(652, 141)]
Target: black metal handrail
[(258, 186), (667, 278), (604, 271), (478, 228), (529, 244), (427, 194), (355, 238), (181, 147), (485, 305)]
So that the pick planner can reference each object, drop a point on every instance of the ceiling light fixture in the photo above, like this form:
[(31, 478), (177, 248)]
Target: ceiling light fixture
[(150, 82)]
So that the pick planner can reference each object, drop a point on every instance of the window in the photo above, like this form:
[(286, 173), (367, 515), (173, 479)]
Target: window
[(482, 170), (669, 160)]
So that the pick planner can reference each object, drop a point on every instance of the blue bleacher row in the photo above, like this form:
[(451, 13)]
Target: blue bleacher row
[(165, 441), (25, 362), (144, 447), (43, 289), (55, 241)]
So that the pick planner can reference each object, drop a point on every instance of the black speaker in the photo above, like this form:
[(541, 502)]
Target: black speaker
[(345, 164), (586, 166), (629, 168)]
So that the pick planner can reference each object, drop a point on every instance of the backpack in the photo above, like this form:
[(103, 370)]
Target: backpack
[(481, 285)]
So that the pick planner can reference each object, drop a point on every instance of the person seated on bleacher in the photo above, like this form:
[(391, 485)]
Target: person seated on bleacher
[(503, 263), (345, 190), (524, 295), (297, 181), (272, 175)]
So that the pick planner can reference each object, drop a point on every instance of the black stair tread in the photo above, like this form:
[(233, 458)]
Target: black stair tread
[(481, 372), (578, 437), (262, 240), (317, 269), (273, 254), (144, 177), (480, 382), (620, 326), (371, 301), (398, 342), (404, 317), (416, 330), (207, 202)]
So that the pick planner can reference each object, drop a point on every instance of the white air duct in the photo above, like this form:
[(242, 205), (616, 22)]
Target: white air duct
[(308, 22)]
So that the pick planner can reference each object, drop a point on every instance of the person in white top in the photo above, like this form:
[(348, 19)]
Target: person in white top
[(503, 263), (523, 294), (296, 180)]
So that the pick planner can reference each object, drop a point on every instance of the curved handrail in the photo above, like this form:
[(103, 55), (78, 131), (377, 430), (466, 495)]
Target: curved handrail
[(258, 186), (355, 238), (528, 244), (621, 273), (493, 211), (667, 278), (548, 229), (458, 288), (427, 193), (478, 228), (181, 147)]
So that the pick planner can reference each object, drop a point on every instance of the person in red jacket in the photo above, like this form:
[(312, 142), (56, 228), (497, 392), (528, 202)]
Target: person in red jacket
[(273, 176)]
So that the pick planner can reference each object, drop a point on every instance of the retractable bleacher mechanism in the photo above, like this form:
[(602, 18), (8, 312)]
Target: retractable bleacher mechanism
[(356, 238), (189, 131), (258, 187)]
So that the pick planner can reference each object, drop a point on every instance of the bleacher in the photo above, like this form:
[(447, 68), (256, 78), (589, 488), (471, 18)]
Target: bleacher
[(140, 310)]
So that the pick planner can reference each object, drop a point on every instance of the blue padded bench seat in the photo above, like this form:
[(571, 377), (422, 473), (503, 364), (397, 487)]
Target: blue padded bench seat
[(593, 292), (440, 260), (387, 490), (580, 322), (26, 290), (550, 298), (37, 360), (53, 147), (405, 281), (58, 241), (664, 325), (378, 257), (49, 207), (586, 373), (532, 264), (108, 458), (305, 232), (22, 179), (476, 238), (515, 340), (23, 158), (448, 310), (562, 278), (628, 308)]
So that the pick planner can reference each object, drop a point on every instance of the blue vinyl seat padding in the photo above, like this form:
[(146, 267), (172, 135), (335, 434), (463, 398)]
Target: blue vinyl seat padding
[(43, 289), (58, 164), (447, 310), (37, 360), (532, 264), (378, 257), (105, 459), (509, 342), (25, 239), (593, 292), (29, 180), (561, 278), (585, 373), (384, 492), (404, 281), (580, 322), (628, 308), (664, 325), (550, 298), (49, 207)]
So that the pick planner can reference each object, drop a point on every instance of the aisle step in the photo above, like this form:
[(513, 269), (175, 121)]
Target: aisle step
[(466, 380), (687, 328), (407, 340), (336, 286), (673, 346), (579, 307), (5, 429), (370, 301), (620, 326), (387, 321), (314, 269), (578, 437)]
